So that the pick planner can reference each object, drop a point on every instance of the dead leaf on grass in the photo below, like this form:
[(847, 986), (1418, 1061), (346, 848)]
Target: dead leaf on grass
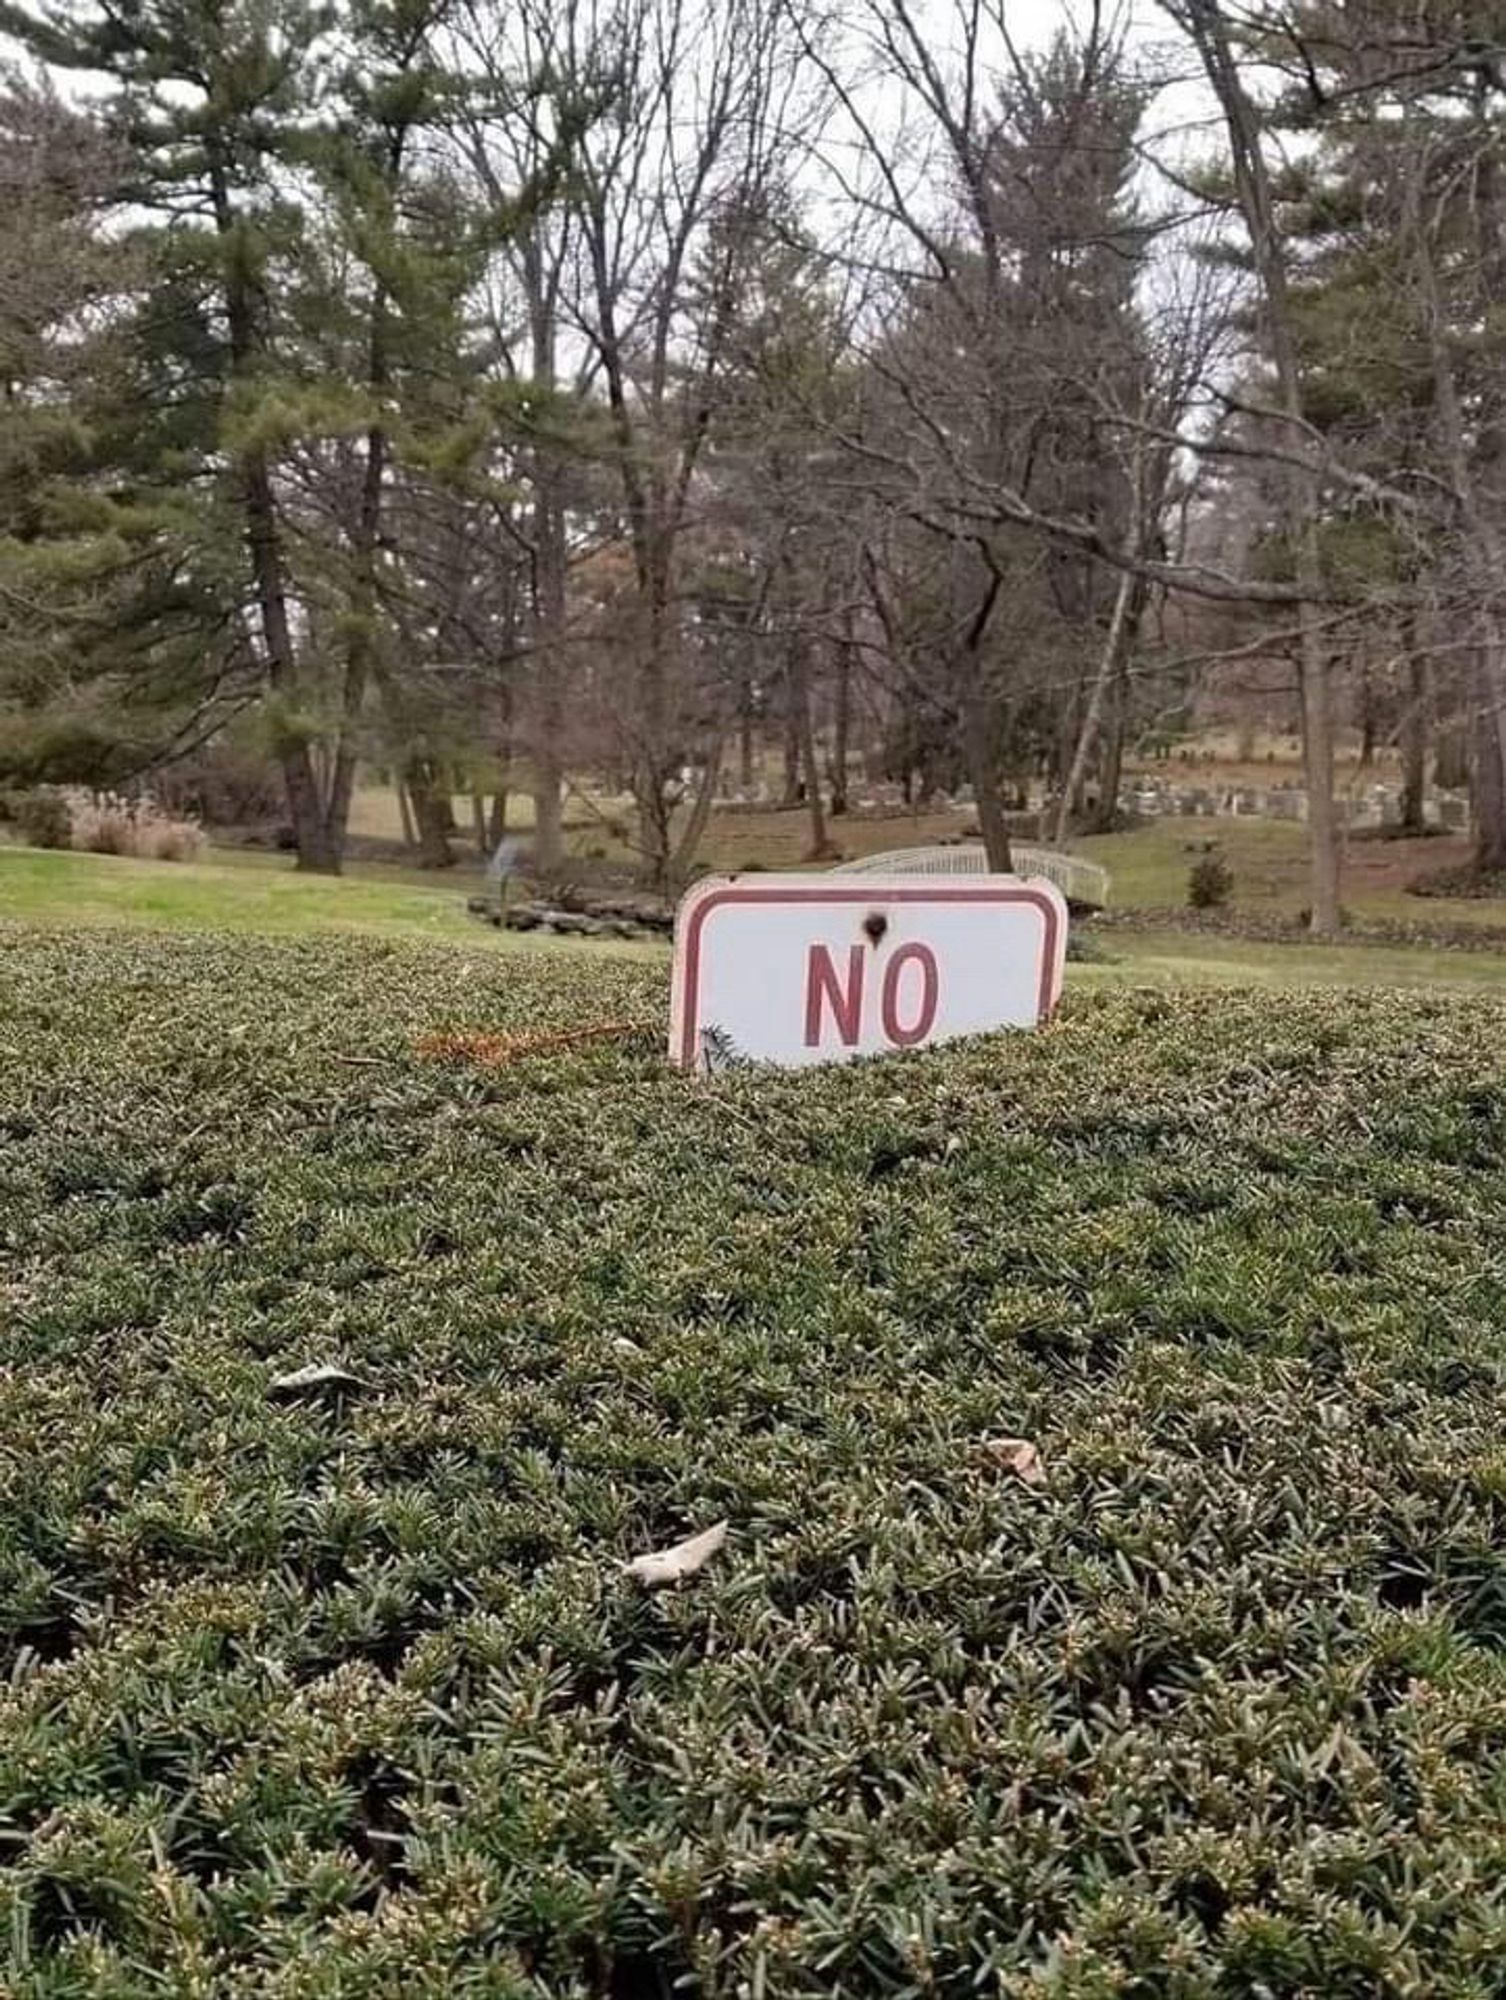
[(318, 1378), (673, 1565), (1019, 1456)]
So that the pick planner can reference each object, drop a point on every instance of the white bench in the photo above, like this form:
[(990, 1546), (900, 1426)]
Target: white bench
[(1084, 883)]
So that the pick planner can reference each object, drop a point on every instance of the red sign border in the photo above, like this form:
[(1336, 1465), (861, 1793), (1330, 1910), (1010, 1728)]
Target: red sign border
[(684, 1025)]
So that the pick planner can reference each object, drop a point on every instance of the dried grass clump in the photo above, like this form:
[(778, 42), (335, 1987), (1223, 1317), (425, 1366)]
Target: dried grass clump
[(138, 828)]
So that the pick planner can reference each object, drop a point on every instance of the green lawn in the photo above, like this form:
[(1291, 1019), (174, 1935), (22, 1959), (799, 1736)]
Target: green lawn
[(260, 893), (1169, 958), (251, 893), (1149, 867), (1268, 859)]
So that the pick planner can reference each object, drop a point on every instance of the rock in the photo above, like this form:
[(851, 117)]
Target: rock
[(573, 915)]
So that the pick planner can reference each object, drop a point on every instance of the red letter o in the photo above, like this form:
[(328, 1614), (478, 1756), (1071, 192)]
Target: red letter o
[(920, 1027)]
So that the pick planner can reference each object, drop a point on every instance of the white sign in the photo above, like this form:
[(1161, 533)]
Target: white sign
[(799, 969)]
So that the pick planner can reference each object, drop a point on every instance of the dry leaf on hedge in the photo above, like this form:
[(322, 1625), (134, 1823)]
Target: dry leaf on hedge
[(673, 1565), (317, 1377), (1019, 1456)]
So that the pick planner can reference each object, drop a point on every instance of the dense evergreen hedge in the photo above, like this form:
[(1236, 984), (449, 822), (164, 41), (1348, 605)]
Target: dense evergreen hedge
[(343, 1689)]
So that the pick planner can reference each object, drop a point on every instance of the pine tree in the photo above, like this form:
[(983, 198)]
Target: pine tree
[(394, 251), (112, 637), (211, 103)]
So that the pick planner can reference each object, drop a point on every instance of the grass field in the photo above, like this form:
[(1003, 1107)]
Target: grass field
[(1176, 959), (1269, 863), (1149, 867), (333, 1691), (254, 893), (250, 893)]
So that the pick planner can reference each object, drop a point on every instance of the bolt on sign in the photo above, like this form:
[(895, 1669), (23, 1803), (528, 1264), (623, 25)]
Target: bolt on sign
[(795, 969)]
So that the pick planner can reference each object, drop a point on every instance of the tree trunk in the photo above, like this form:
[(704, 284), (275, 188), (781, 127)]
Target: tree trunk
[(244, 327), (1489, 787), (1112, 768), (1317, 759), (1209, 28), (1415, 735), (798, 672), (478, 822), (841, 721), (791, 794), (988, 794), (316, 855), (655, 829), (502, 747), (405, 813), (975, 713), (361, 624), (1483, 547), (548, 775), (1369, 720), (548, 823), (1489, 499), (654, 777), (1108, 668), (428, 813), (548, 594), (1451, 762), (688, 845)]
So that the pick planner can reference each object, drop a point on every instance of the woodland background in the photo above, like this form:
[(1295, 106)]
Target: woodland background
[(674, 399)]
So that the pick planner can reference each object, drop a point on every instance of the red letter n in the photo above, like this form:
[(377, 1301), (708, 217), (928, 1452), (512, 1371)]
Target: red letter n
[(821, 985)]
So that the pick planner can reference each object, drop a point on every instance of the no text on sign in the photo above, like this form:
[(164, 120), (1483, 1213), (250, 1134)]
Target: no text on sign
[(795, 970)]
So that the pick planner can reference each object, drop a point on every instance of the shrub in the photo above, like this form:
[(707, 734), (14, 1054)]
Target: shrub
[(1466, 881), (161, 837), (227, 783), (1084, 947), (1210, 883), (102, 826), (1305, 917), (40, 817), (332, 1680), (134, 827)]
